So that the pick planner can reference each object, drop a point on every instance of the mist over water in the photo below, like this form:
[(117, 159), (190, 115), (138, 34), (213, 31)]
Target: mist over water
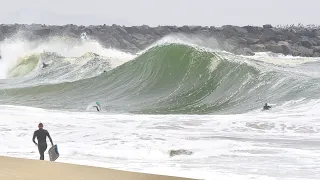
[(178, 94)]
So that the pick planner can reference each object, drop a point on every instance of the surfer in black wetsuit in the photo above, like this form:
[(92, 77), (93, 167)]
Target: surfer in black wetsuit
[(44, 65), (98, 106), (41, 135), (266, 107)]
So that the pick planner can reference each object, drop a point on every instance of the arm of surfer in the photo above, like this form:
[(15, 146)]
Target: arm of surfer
[(96, 108), (33, 138), (50, 138)]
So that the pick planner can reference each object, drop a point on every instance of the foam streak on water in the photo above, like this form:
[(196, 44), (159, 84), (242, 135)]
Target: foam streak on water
[(260, 145)]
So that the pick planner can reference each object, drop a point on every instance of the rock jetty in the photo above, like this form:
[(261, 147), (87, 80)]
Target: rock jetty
[(246, 40)]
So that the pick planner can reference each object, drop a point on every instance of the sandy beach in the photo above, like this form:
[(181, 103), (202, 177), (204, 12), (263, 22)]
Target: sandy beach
[(27, 169)]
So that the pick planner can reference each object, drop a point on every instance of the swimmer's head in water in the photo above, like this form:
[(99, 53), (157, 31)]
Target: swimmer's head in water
[(40, 125), (98, 103)]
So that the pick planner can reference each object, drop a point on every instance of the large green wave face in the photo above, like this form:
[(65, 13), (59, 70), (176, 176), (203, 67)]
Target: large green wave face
[(174, 79), (179, 79)]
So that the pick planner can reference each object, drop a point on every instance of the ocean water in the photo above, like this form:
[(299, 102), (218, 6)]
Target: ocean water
[(175, 96)]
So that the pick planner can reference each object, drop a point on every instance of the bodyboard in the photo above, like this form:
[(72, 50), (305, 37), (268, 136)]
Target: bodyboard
[(53, 153)]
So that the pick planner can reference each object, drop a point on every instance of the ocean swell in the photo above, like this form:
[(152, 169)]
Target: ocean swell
[(171, 79)]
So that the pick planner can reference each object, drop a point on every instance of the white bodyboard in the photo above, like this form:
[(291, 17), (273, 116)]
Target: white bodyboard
[(53, 153)]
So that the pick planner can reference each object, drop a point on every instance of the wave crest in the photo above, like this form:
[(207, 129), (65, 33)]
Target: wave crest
[(177, 78)]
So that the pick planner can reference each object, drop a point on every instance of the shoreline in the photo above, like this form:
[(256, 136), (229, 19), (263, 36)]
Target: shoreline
[(12, 168), (246, 40)]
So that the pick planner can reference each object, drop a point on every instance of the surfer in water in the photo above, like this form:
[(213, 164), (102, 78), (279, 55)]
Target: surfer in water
[(44, 65), (41, 135), (266, 106), (98, 106)]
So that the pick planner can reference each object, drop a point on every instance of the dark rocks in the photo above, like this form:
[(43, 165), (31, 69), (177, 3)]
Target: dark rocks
[(306, 43), (290, 36), (248, 51), (316, 54), (307, 32), (42, 32), (179, 152), (231, 31), (252, 41), (258, 48), (281, 47), (302, 51), (316, 49), (245, 51), (267, 26), (268, 35), (2, 37), (253, 29), (296, 41)]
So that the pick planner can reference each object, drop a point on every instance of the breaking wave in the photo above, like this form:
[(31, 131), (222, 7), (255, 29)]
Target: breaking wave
[(169, 78)]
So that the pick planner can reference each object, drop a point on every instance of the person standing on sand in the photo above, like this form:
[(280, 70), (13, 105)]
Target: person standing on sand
[(41, 135)]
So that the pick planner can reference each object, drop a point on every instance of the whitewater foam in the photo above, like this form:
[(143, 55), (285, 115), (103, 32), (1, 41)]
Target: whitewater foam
[(230, 146), (14, 49)]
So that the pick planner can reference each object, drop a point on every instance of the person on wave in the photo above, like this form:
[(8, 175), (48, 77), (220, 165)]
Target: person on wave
[(41, 135), (266, 106), (44, 65), (98, 106)]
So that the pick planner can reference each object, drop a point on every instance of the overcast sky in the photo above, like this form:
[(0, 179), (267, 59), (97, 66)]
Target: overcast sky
[(161, 12)]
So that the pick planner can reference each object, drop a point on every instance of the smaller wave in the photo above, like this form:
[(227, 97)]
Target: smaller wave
[(24, 66), (17, 51)]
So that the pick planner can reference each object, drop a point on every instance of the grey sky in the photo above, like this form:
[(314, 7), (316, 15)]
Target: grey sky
[(161, 12)]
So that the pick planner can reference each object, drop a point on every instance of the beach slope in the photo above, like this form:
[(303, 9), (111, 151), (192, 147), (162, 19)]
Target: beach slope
[(27, 169)]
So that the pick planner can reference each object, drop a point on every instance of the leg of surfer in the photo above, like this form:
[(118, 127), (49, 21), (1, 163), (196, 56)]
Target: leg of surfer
[(42, 148)]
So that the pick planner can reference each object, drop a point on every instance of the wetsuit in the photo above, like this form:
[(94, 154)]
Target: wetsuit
[(97, 108), (266, 107), (44, 65), (41, 135)]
